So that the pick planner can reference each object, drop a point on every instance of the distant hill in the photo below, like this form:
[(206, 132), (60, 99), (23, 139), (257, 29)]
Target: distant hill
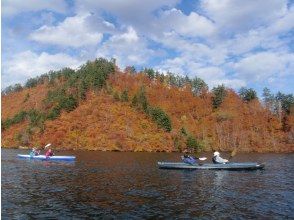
[(99, 107)]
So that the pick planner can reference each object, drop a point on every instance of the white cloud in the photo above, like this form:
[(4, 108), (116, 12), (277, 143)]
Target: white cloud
[(264, 37), (192, 25), (234, 42), (126, 10), (240, 15), (127, 48), (138, 14), (74, 31), (128, 37), (264, 65), (215, 76), (29, 64), (175, 65), (13, 7)]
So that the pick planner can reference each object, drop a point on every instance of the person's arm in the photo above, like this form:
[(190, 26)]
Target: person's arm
[(221, 160)]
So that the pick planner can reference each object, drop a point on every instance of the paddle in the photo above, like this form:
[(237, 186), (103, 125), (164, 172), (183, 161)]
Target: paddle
[(234, 152), (197, 156), (202, 158), (48, 145)]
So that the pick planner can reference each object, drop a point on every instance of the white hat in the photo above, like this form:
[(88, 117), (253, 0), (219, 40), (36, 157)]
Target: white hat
[(216, 153)]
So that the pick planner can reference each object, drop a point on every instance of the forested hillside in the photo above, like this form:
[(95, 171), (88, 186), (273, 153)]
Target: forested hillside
[(99, 107)]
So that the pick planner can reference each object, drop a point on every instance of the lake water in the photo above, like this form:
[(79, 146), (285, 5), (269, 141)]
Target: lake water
[(113, 185)]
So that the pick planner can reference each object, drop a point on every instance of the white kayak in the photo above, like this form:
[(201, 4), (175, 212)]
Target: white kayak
[(43, 157)]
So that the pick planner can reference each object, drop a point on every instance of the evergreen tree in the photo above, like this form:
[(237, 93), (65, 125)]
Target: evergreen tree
[(268, 98), (219, 94), (247, 94), (83, 90), (150, 73), (142, 99), (286, 101), (161, 118), (198, 86)]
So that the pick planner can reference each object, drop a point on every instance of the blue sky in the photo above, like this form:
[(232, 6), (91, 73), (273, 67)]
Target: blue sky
[(232, 42)]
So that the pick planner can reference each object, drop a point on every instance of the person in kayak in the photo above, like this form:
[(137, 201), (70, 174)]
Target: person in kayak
[(186, 158), (217, 159), (49, 153), (34, 152)]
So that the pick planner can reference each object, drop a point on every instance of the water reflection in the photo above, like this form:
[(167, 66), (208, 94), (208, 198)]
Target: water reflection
[(219, 177)]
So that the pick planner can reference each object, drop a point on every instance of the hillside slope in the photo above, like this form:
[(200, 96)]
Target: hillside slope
[(100, 123), (99, 107), (23, 100), (246, 126)]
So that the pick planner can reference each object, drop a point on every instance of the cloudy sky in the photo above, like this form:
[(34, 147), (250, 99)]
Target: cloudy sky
[(232, 42)]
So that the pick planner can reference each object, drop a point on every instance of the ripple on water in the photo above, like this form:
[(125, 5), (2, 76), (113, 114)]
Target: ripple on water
[(130, 186)]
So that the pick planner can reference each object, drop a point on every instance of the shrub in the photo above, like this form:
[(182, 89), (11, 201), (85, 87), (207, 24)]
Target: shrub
[(83, 87), (183, 131), (161, 118), (125, 96), (134, 101), (193, 144), (54, 113), (19, 117), (26, 97), (68, 103), (36, 118), (142, 99), (116, 96)]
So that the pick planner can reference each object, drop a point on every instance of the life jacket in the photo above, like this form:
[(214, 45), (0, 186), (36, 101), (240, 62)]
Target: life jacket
[(32, 153), (49, 154), (189, 159), (217, 159), (214, 159)]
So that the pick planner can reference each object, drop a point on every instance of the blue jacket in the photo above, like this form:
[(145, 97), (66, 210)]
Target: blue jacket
[(189, 159)]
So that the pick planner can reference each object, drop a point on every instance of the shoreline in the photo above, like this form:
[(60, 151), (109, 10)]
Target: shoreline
[(142, 151)]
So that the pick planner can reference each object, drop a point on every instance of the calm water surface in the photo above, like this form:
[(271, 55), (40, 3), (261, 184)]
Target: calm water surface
[(110, 185)]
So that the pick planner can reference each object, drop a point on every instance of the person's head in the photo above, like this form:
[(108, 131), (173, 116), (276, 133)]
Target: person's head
[(50, 150), (216, 153), (34, 149)]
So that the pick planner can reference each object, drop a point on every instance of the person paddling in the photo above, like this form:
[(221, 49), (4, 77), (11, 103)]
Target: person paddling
[(49, 152), (186, 158), (217, 159), (34, 152)]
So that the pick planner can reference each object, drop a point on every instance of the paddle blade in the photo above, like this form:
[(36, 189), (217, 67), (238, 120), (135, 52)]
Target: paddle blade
[(48, 145), (233, 152), (202, 158)]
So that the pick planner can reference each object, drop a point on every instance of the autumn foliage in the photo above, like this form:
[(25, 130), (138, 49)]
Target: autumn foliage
[(146, 111)]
